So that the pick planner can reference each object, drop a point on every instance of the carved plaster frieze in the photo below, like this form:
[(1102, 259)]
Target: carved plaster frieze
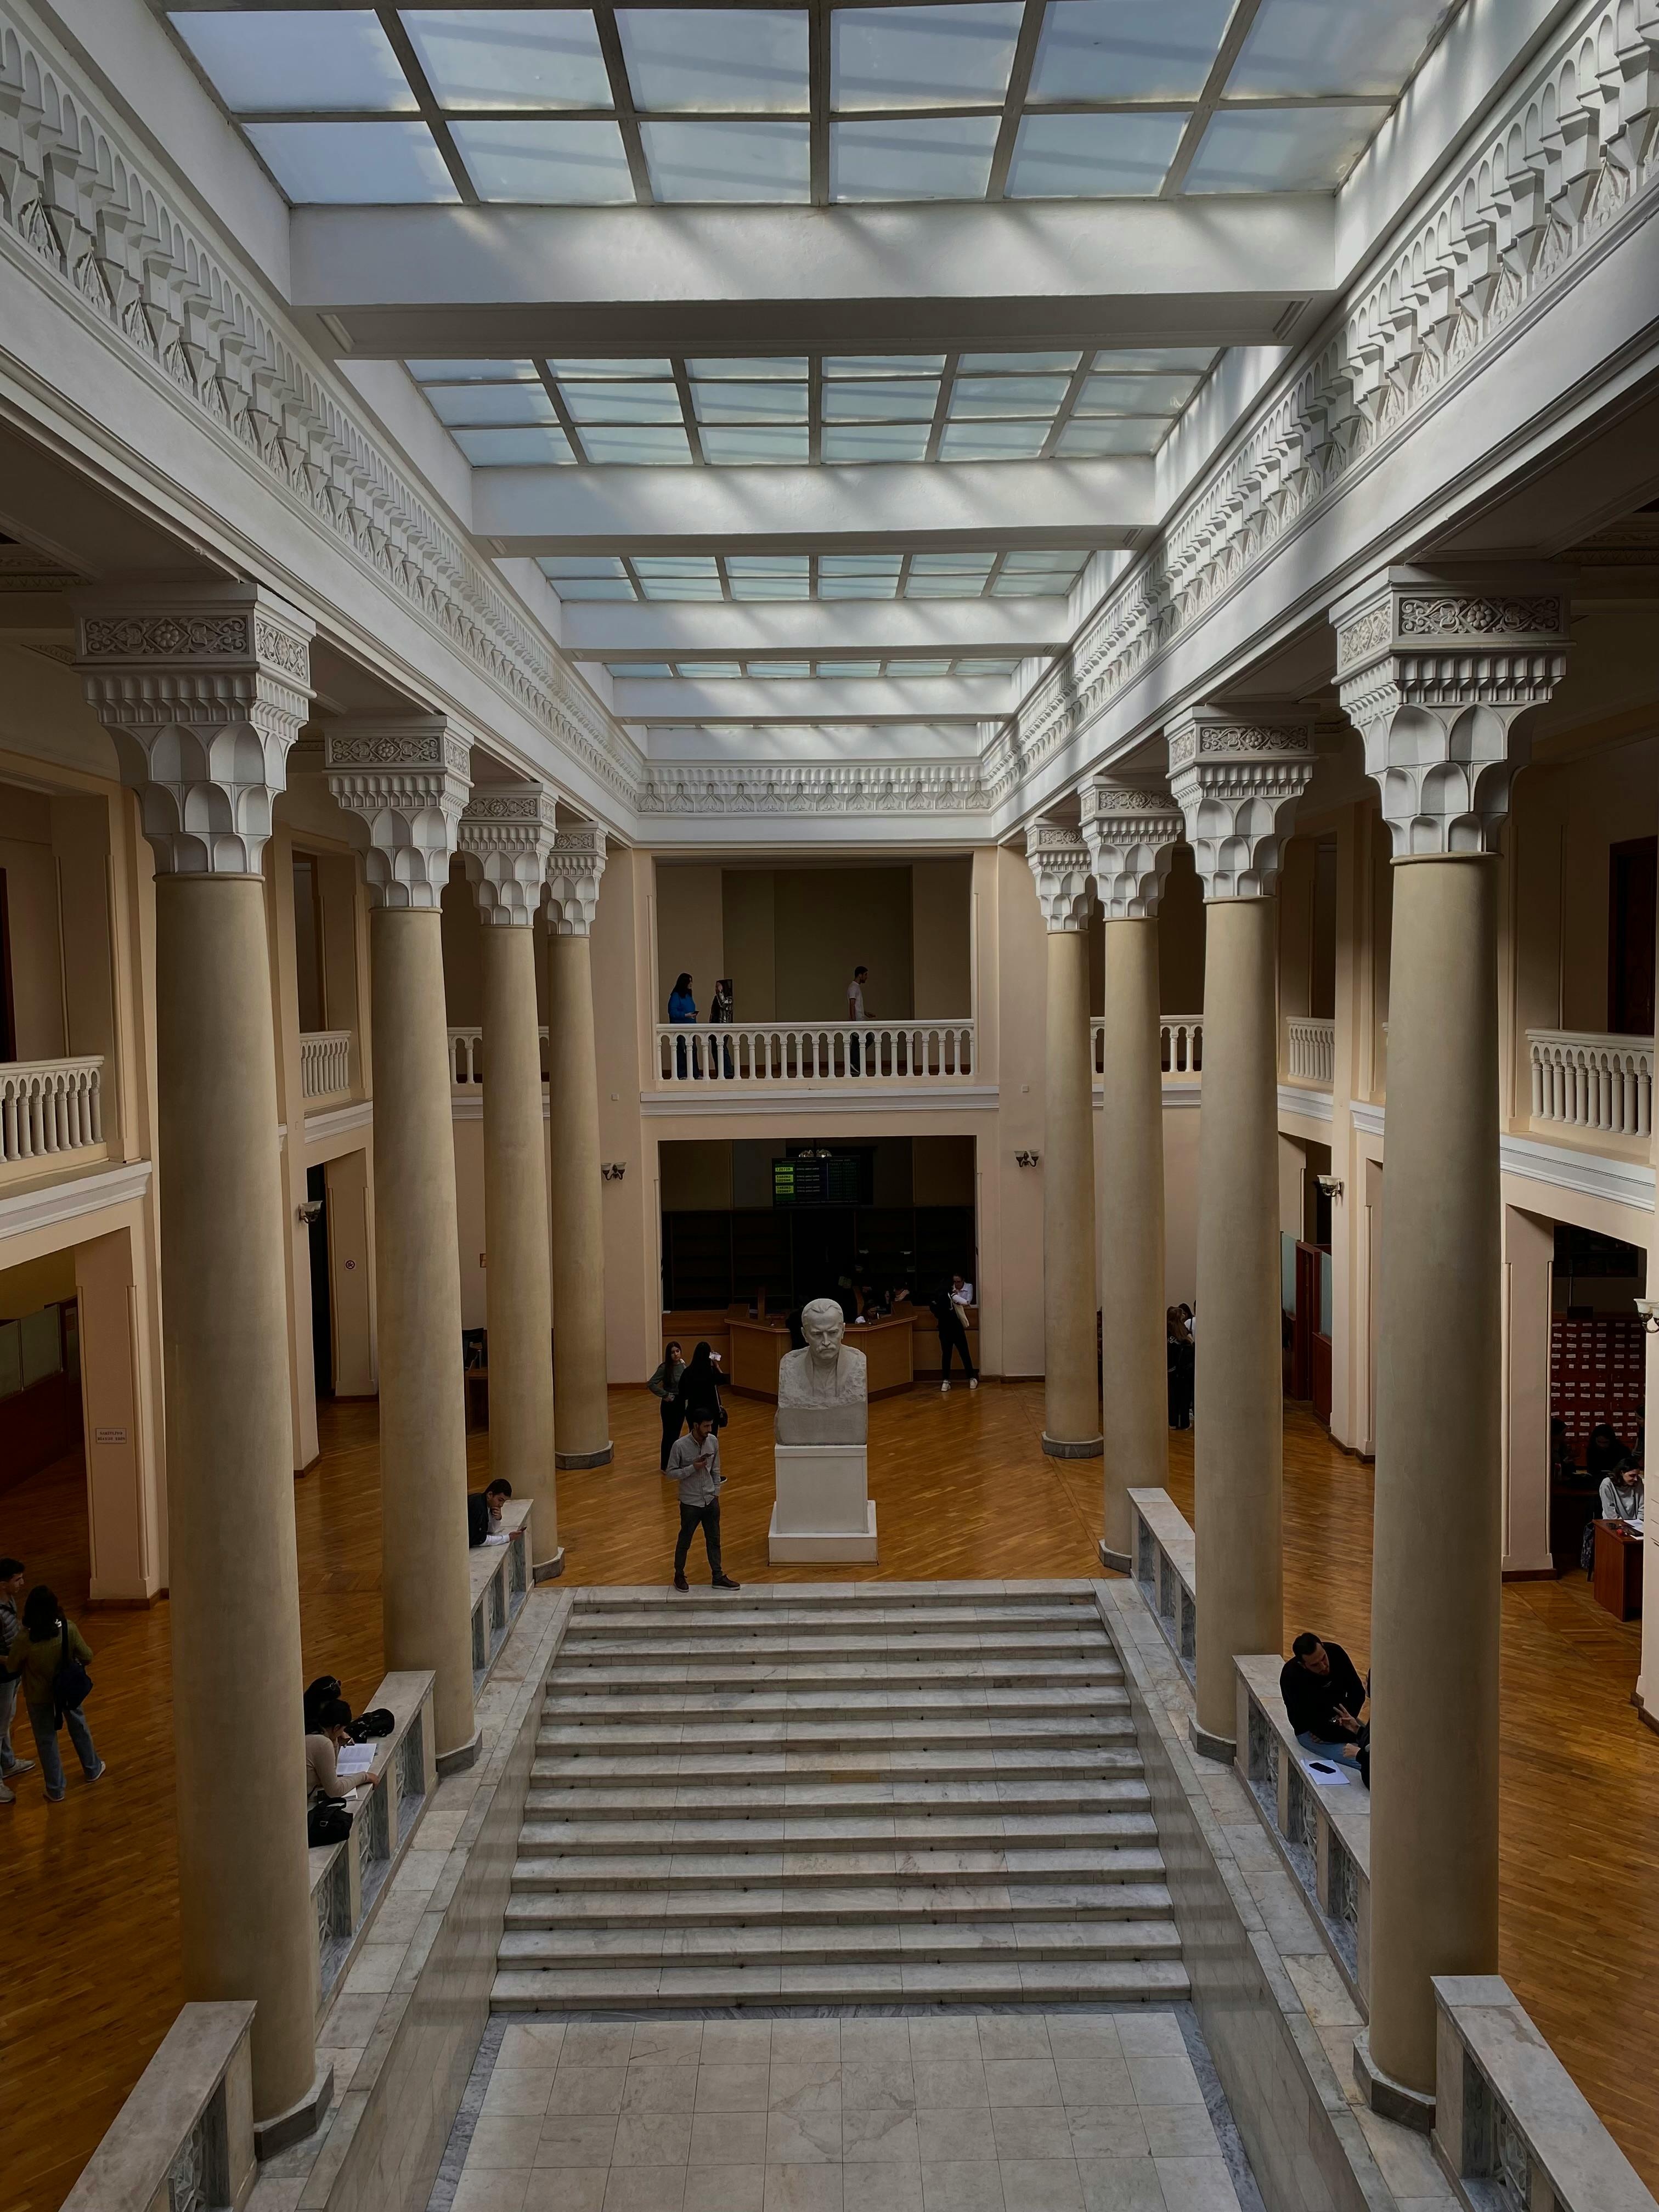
[(506, 834), (1434, 675), (574, 869), (828, 788), (1131, 831), (1565, 161), (1058, 861), (407, 780), (1237, 780), (204, 694), (92, 214)]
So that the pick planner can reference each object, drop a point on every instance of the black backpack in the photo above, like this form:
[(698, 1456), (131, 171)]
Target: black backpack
[(71, 1683)]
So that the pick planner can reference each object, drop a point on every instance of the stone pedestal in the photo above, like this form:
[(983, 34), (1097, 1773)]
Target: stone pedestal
[(822, 1509)]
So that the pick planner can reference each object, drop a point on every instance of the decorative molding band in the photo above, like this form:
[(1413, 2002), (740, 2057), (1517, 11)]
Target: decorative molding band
[(407, 780), (788, 788), (1131, 831), (78, 205), (574, 865), (824, 1104), (1590, 1175), (1060, 863), (1237, 784), (506, 834), (1556, 167), (339, 1121), (24, 1212), (1302, 1105)]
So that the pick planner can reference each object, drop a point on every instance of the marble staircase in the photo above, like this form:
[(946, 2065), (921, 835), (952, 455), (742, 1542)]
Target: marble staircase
[(829, 1795)]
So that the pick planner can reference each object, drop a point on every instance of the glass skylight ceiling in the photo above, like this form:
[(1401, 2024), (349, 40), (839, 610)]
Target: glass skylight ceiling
[(831, 409), (959, 100), (837, 670), (1026, 574)]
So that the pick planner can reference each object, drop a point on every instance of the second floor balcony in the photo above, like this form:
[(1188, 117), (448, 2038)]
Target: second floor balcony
[(50, 1111), (819, 1055), (1592, 1087)]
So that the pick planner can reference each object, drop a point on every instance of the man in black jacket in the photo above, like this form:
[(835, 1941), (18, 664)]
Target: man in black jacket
[(1322, 1696), (484, 1513)]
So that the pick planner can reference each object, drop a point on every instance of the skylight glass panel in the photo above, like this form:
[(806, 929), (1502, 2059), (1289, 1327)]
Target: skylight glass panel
[(645, 445), (749, 403), (781, 444), (1118, 434), (875, 441), (883, 364), (642, 672), (621, 403), (1331, 46), (754, 161), (761, 369), (678, 576), (557, 568), (907, 401), (1130, 49), (286, 61), (1156, 359), (597, 368), (787, 671), (1282, 150), (945, 57), (546, 161), (525, 448), (596, 587), (992, 441), (490, 403), (1115, 156), (928, 668), (353, 164), (770, 576), (1029, 364), (1006, 395), (985, 668), (1134, 395), (509, 57), (730, 60), (857, 576), (1036, 583), (947, 575), (849, 671), (471, 372), (912, 158), (712, 671)]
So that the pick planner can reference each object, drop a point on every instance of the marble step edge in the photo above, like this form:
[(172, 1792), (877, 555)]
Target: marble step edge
[(668, 1870), (751, 1673), (821, 1942), (855, 1637), (900, 1703), (790, 1769), (608, 1597), (724, 1737), (728, 1798), (630, 1838), (948, 1905), (529, 1988)]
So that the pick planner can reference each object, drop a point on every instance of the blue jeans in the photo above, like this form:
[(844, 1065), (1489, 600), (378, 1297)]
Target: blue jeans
[(8, 1706), (1347, 1750), (44, 1721)]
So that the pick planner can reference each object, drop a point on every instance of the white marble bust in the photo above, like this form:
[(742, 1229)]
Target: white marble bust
[(822, 1393)]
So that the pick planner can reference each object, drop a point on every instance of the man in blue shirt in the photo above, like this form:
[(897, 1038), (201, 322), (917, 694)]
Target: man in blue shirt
[(695, 1464)]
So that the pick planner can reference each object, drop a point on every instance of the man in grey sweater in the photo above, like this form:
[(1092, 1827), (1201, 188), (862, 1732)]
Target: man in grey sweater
[(694, 1463)]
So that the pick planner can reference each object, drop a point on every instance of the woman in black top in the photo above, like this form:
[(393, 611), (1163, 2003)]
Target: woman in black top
[(665, 1385), (698, 1397)]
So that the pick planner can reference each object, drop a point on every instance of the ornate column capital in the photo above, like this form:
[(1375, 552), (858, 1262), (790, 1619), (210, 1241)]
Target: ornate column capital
[(1236, 775), (1131, 830), (507, 833), (574, 869), (1433, 671), (203, 690), (1058, 862), (409, 780)]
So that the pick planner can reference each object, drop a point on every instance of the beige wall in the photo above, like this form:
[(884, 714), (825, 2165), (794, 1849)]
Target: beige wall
[(690, 931), (31, 907), (46, 1281), (941, 944), (1180, 939), (827, 920), (750, 922), (463, 962), (696, 1176)]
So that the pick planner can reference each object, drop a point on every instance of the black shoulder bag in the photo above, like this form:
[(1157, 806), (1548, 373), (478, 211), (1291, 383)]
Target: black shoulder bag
[(71, 1682)]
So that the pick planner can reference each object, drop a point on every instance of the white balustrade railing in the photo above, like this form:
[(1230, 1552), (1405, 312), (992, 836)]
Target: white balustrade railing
[(325, 1062), (466, 1057), (1181, 1044), (1311, 1051), (49, 1106), (814, 1052), (1602, 1085)]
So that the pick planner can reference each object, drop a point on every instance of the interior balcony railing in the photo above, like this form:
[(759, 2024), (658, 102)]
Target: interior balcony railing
[(1587, 1085), (1309, 1051), (325, 1063), (839, 1055), (50, 1107), (466, 1059), (1180, 1046)]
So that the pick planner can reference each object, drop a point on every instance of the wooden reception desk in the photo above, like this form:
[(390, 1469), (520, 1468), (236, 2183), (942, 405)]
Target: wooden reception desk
[(888, 1347)]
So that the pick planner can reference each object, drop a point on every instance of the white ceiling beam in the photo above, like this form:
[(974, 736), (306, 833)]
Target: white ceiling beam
[(512, 281), (815, 699), (668, 629), (883, 506)]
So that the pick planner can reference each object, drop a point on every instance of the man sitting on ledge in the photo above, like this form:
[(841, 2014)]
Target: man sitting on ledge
[(1322, 1696), (484, 1513)]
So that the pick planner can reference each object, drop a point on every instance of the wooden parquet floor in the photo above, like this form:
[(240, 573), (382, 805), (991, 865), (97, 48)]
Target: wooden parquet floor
[(89, 1984)]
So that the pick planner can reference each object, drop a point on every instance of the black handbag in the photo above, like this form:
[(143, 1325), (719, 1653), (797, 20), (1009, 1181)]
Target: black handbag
[(327, 1822), (71, 1683), (378, 1721)]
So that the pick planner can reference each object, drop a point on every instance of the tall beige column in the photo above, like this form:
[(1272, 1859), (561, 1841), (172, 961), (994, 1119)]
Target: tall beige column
[(1131, 831), (1236, 781), (573, 1091), (204, 696), (1070, 1394), (1434, 673), (410, 780), (507, 833)]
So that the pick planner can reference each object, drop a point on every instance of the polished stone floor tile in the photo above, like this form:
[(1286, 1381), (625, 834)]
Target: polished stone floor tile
[(958, 2185), (728, 2139), (724, 2189)]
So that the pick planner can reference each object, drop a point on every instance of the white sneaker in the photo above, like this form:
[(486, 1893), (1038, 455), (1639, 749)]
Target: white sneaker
[(945, 1389), (973, 1382), (7, 1796)]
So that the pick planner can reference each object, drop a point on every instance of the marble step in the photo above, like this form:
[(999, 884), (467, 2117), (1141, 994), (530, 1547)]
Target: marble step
[(875, 1763), (949, 1829), (1042, 1982), (789, 1700), (794, 1866), (608, 1601), (940, 1908), (891, 1678), (858, 1639), (737, 1795), (730, 1735), (816, 1942)]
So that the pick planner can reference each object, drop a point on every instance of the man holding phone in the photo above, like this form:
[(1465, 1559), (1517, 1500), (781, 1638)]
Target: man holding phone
[(695, 1462)]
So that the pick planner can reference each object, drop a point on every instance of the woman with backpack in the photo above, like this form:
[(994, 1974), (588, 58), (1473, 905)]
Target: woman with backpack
[(52, 1658), (698, 1397)]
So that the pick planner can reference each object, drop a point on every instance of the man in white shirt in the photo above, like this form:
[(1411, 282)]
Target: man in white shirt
[(855, 1013)]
